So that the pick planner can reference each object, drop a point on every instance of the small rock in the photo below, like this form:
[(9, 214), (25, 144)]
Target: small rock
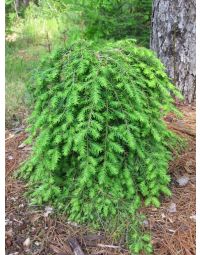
[(172, 208), (37, 243), (7, 222), (145, 222), (21, 146), (27, 243), (48, 210), (14, 253), (193, 217), (183, 181), (10, 157)]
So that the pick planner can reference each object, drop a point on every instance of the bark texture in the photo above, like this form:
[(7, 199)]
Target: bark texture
[(173, 38), (26, 2)]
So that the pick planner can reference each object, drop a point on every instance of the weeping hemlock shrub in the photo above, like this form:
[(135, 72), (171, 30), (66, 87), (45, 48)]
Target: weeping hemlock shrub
[(100, 145)]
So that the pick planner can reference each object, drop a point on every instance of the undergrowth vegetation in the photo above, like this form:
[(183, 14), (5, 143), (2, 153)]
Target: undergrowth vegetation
[(100, 145), (116, 19), (19, 64), (35, 32)]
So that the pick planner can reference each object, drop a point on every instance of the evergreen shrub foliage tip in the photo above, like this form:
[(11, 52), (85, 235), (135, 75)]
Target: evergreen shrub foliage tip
[(100, 145)]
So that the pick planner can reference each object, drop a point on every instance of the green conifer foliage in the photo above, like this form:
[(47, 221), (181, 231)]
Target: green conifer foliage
[(116, 19), (100, 145)]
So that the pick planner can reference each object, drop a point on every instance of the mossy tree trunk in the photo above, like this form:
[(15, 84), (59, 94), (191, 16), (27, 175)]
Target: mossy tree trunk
[(173, 39)]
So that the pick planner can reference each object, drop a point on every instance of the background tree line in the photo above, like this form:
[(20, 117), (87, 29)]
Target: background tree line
[(102, 19)]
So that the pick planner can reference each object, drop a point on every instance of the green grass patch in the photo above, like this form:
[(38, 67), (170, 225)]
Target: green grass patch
[(20, 62)]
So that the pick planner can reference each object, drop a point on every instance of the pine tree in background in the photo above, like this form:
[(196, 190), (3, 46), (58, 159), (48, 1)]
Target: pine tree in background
[(116, 19), (99, 142)]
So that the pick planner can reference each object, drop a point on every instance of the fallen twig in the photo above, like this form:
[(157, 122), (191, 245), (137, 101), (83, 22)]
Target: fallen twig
[(182, 130), (75, 246), (109, 246)]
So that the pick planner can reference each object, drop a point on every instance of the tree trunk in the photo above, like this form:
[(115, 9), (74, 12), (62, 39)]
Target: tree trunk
[(26, 2), (17, 4), (173, 39)]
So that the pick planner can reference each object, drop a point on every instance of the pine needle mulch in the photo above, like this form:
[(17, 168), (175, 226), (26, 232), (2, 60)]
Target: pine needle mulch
[(38, 231)]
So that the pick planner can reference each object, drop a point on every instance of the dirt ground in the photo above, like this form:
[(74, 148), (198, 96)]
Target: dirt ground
[(38, 231)]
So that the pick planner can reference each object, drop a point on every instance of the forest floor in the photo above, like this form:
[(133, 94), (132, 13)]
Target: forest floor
[(39, 231)]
